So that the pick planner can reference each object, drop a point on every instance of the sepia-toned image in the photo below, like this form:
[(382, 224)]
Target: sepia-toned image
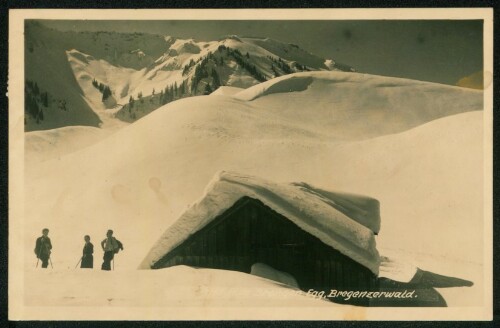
[(250, 164)]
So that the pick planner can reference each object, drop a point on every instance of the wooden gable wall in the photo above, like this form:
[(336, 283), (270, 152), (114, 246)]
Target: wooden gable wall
[(251, 232)]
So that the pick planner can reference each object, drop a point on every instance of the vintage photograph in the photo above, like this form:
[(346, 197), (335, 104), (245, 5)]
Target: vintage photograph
[(222, 164)]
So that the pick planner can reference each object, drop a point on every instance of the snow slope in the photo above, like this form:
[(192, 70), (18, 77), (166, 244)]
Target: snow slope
[(289, 52), (139, 180), (226, 91), (323, 217), (355, 105), (326, 105), (48, 144)]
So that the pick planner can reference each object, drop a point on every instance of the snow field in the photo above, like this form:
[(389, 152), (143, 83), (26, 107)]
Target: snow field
[(179, 286)]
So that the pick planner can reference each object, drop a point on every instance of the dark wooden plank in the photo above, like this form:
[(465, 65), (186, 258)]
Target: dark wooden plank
[(339, 281), (254, 233)]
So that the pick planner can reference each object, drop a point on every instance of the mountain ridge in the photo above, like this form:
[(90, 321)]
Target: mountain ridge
[(140, 65)]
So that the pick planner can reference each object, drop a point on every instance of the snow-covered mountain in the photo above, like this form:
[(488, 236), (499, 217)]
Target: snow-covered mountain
[(67, 72)]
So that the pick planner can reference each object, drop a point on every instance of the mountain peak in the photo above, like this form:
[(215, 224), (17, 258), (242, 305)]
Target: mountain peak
[(133, 64)]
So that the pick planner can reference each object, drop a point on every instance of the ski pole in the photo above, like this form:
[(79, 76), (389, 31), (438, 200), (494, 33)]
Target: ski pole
[(50, 260), (78, 262)]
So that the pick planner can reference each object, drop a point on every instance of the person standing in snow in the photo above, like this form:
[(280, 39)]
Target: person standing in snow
[(110, 246), (43, 248), (88, 251)]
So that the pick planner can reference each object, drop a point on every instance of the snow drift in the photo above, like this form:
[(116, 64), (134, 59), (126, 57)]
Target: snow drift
[(312, 212), (358, 106), (268, 272), (47, 144)]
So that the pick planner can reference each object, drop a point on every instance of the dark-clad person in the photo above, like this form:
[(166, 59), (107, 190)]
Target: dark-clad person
[(43, 248), (110, 246), (88, 251)]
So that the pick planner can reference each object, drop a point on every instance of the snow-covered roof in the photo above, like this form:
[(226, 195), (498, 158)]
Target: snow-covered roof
[(341, 221)]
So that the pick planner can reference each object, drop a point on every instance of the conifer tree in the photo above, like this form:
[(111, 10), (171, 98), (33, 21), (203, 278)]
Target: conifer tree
[(216, 79), (208, 89), (131, 102), (36, 109), (45, 99), (62, 105), (106, 93)]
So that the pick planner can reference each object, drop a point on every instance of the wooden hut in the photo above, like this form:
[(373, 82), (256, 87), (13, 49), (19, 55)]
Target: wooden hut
[(252, 229)]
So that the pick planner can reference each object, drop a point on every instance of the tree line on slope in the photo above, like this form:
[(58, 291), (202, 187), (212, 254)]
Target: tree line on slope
[(36, 100), (103, 88), (205, 78)]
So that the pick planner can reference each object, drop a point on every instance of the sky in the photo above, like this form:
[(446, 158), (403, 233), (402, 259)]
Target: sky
[(442, 51)]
